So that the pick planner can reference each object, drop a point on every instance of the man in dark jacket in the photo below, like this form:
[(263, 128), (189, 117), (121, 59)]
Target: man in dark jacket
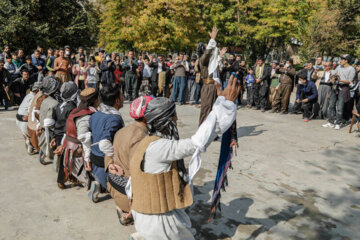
[(159, 67), (107, 68), (31, 69), (5, 81), (262, 74), (20, 86), (130, 65), (306, 96)]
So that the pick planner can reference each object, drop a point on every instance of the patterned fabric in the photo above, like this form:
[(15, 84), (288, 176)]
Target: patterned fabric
[(228, 143), (138, 106), (118, 182)]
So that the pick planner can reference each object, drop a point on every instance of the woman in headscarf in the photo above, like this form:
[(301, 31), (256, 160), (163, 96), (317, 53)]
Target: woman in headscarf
[(68, 94), (46, 106), (159, 183), (125, 143), (77, 141)]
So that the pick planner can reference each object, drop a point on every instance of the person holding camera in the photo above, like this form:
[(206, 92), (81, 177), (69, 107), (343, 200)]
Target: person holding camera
[(181, 67), (343, 76), (261, 85), (306, 96), (283, 91), (324, 90)]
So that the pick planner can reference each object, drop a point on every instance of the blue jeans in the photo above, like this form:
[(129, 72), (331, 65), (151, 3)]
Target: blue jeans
[(197, 92), (92, 85), (179, 86), (100, 175)]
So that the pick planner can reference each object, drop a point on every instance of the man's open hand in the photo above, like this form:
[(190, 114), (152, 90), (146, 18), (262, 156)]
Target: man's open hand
[(232, 90), (213, 33)]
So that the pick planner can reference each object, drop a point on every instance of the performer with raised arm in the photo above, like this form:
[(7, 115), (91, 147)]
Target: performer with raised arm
[(160, 184), (209, 60)]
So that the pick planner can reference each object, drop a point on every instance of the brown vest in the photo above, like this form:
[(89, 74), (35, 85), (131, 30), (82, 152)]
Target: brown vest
[(155, 193)]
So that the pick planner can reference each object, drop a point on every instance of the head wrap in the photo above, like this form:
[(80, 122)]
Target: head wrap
[(36, 86), (200, 49), (49, 85), (159, 115), (68, 93), (138, 106), (87, 98)]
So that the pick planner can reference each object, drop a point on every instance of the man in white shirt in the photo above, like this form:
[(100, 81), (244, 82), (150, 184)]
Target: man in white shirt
[(155, 213), (324, 89)]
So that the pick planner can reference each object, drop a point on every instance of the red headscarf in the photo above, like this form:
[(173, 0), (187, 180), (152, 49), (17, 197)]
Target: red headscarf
[(138, 106)]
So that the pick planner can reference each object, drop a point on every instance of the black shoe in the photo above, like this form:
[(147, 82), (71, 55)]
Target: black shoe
[(274, 111)]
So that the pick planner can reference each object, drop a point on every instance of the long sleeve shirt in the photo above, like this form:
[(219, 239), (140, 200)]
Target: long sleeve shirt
[(159, 156)]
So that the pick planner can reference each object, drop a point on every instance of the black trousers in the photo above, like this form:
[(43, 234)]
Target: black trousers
[(61, 173), (306, 108), (260, 93), (4, 98)]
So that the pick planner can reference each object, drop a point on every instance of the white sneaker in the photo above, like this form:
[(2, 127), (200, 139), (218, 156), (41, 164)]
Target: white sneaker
[(328, 125), (337, 127)]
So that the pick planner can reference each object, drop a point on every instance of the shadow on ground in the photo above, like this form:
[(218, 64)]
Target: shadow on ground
[(231, 216), (249, 131)]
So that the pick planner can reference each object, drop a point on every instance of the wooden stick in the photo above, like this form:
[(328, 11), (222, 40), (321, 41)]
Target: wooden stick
[(352, 122)]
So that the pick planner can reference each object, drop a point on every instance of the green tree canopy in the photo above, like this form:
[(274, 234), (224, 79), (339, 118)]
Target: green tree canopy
[(50, 23)]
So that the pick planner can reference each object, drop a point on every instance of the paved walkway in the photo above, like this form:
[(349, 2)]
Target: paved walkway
[(290, 180)]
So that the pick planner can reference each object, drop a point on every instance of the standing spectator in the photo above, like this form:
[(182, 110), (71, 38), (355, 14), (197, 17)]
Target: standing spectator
[(21, 55), (62, 66), (118, 73), (113, 56), (309, 70), (230, 66), (5, 80), (39, 62), (261, 86), (79, 54), (16, 60), (249, 81), (92, 73), (42, 54), (274, 83), (198, 82), (99, 57), (306, 96), (56, 53), (20, 86), (50, 61), (191, 82), (319, 64), (344, 75), (67, 51), (130, 65), (287, 74), (158, 76), (31, 69), (325, 87), (107, 68), (5, 52), (79, 70), (12, 68), (180, 67)]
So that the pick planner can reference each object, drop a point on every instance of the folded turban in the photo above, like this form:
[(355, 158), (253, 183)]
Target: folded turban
[(138, 106), (36, 86), (159, 113), (50, 85)]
